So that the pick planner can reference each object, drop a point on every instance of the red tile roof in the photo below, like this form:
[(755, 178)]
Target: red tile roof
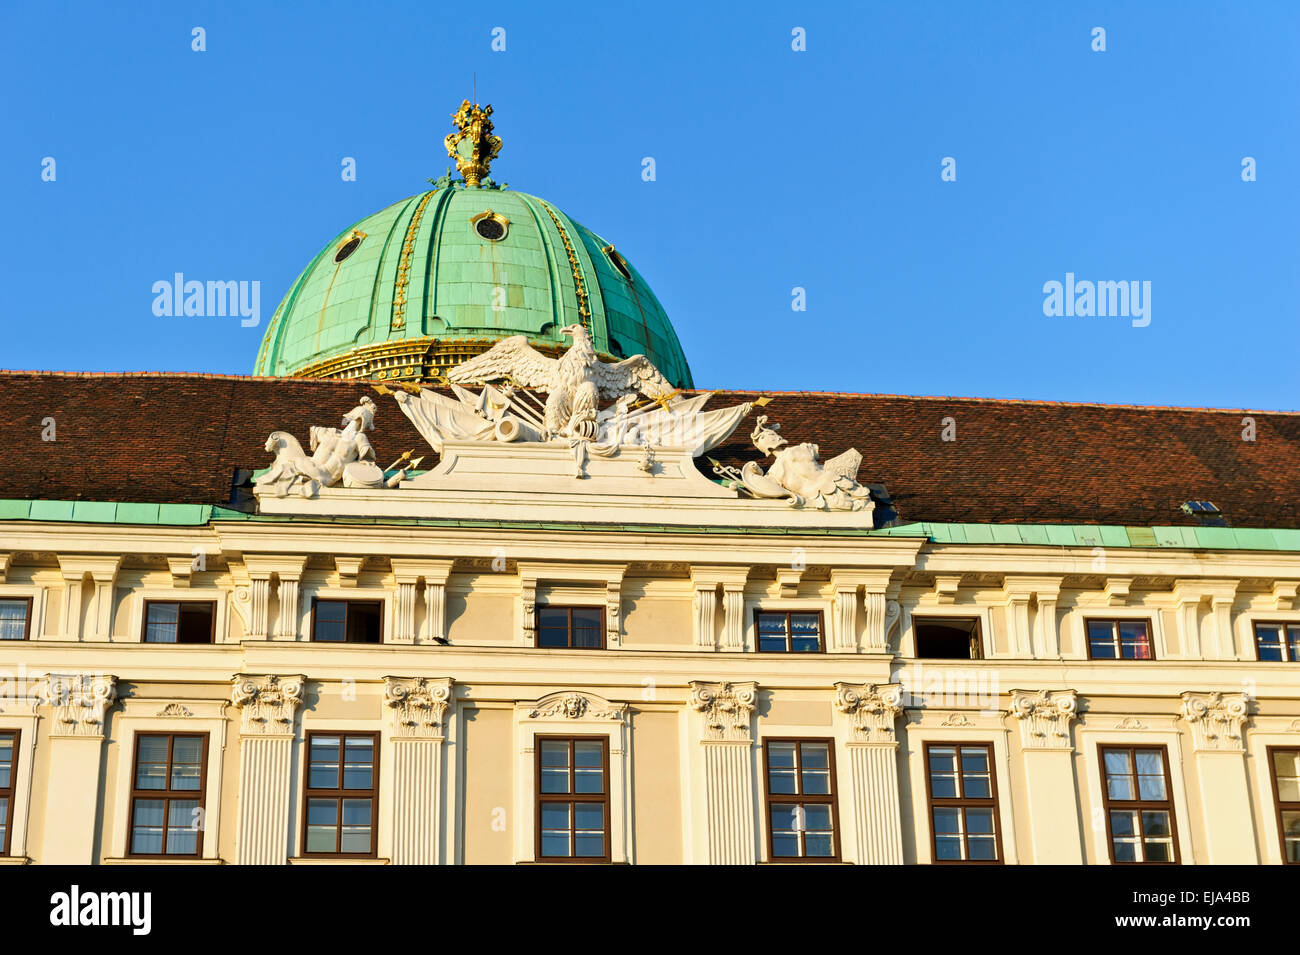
[(180, 437)]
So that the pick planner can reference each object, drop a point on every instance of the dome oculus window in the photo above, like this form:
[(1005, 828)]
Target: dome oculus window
[(618, 262), (490, 226), (349, 245)]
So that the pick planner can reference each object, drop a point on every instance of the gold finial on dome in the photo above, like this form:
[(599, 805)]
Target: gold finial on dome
[(473, 146)]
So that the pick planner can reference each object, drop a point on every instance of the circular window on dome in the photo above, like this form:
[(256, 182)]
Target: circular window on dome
[(618, 262), (348, 245), (490, 226)]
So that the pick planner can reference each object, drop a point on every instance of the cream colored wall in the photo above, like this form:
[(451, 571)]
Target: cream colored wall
[(489, 766), (661, 651)]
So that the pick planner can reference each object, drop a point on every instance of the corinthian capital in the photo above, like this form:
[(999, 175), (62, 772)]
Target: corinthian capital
[(1216, 719), (419, 705), (1044, 717), (726, 708), (871, 709), (267, 703), (79, 700)]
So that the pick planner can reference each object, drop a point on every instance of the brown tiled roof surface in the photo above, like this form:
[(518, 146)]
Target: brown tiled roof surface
[(179, 438)]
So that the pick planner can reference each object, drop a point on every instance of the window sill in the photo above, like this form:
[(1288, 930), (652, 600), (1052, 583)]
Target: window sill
[(179, 860), (15, 860), (307, 860)]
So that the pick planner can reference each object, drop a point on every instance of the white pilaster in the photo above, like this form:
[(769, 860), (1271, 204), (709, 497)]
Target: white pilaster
[(1044, 719), (1216, 721), (875, 836), (268, 705), (79, 704), (419, 717), (724, 726)]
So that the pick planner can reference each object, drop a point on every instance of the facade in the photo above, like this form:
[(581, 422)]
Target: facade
[(587, 616)]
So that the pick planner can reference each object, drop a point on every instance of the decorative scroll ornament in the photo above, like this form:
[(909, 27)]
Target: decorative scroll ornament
[(267, 703), (871, 709), (576, 706), (176, 709), (726, 707), (79, 701), (1044, 717), (338, 457), (1216, 719), (419, 705), (472, 145), (798, 475)]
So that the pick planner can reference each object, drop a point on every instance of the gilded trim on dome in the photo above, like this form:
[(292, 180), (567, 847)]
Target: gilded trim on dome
[(404, 266), (584, 309)]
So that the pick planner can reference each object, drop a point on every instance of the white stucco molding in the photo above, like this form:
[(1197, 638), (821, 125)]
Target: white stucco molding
[(872, 710), (267, 703), (1216, 720), (727, 709), (79, 701), (408, 574), (99, 617), (603, 580), (573, 713), (705, 581), (1044, 717), (418, 706)]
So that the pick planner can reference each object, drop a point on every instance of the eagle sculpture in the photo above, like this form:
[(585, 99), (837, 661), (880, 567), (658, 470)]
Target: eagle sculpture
[(574, 382)]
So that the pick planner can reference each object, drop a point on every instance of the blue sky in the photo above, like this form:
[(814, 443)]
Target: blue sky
[(776, 169)]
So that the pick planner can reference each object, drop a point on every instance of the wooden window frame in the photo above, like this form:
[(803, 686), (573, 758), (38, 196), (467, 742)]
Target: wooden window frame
[(540, 798), (977, 639), (27, 620), (167, 795), (1115, 622), (1279, 806), (800, 798), (1287, 655), (308, 793), (1138, 805), (347, 601), (789, 636), (144, 623), (569, 608), (11, 791), (963, 803)]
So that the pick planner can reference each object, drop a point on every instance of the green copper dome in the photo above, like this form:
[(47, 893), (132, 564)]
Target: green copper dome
[(422, 285)]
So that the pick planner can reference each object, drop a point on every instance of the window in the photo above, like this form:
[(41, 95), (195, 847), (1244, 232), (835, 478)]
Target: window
[(801, 811), (179, 622), (1139, 810), (963, 794), (342, 798), (490, 226), (571, 627), (948, 638), (167, 794), (8, 779), (346, 621), (1119, 640), (780, 632), (573, 799), (349, 245), (1285, 765), (15, 618), (1278, 642), (620, 263)]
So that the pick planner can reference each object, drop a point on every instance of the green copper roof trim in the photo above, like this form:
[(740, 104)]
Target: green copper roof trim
[(1051, 535)]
